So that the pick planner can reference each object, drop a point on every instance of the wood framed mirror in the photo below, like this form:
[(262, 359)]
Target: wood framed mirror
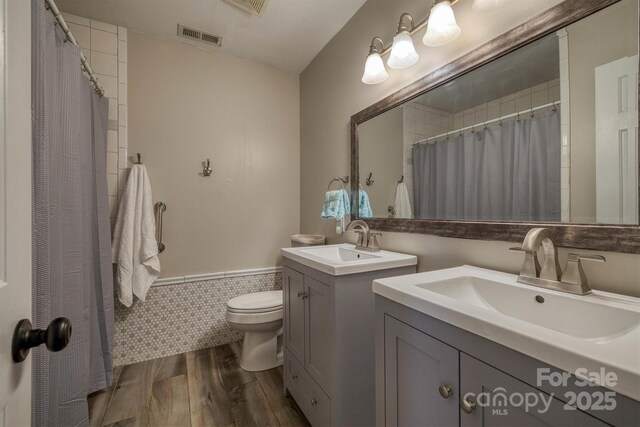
[(449, 137)]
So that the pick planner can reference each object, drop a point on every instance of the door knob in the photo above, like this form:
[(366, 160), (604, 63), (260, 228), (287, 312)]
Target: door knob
[(467, 405), (445, 391), (55, 337)]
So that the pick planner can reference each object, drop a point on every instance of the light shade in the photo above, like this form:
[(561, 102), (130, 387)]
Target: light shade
[(488, 6), (403, 53), (441, 27), (374, 71)]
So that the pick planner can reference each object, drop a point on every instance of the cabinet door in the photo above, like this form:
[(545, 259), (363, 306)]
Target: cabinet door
[(294, 308), (501, 401), (319, 341), (416, 365)]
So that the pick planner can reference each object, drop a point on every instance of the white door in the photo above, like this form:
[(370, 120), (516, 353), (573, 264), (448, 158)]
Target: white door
[(15, 205), (617, 142)]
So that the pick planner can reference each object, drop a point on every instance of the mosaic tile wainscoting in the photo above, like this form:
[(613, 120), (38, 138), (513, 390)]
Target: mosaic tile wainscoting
[(182, 317)]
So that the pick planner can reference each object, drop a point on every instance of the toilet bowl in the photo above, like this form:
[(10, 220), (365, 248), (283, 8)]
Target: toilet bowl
[(259, 316)]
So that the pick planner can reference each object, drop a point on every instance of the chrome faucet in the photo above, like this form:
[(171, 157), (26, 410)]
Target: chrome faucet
[(549, 275), (367, 240)]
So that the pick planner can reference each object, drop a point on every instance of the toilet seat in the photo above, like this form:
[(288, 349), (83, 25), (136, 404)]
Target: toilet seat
[(256, 303)]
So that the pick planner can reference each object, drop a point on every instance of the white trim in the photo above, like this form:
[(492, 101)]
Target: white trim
[(179, 280)]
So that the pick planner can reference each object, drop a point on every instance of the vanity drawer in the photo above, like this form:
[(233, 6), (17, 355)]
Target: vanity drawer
[(313, 401)]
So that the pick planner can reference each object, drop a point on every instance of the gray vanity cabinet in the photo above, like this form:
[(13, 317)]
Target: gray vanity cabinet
[(478, 377), (329, 366), (430, 373), (417, 365)]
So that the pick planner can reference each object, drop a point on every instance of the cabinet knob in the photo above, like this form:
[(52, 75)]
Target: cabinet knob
[(303, 295), (313, 402), (467, 405), (445, 391), (294, 376)]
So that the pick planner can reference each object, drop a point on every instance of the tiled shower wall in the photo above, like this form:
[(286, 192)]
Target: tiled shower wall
[(105, 47), (184, 317)]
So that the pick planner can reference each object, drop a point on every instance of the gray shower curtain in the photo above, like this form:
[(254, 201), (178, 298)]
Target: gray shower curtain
[(504, 173), (72, 272)]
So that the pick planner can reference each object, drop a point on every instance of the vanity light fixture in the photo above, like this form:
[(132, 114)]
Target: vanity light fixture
[(442, 27), (403, 53), (374, 71)]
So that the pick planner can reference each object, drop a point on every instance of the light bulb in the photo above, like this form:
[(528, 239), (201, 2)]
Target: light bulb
[(441, 27), (488, 6), (403, 53), (374, 71)]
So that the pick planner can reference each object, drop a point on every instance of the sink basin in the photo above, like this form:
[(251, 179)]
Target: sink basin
[(564, 330), (344, 259)]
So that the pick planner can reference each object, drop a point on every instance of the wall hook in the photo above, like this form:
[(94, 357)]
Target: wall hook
[(139, 157), (206, 170), (369, 181)]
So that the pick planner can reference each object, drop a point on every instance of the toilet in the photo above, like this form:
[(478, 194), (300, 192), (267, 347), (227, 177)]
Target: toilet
[(259, 316)]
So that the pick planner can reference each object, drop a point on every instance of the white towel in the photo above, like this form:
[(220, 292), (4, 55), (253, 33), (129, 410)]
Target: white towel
[(403, 205), (134, 248)]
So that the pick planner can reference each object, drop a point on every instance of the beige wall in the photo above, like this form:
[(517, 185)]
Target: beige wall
[(331, 92), (188, 104), (381, 153), (596, 40)]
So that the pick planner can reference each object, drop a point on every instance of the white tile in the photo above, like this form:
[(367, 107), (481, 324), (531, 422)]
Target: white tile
[(112, 184), (113, 109), (112, 162), (123, 137), (109, 84), (523, 102), (103, 63), (122, 34), (565, 176), (113, 206), (104, 26), (469, 119), (82, 34), (123, 174), (112, 141), (122, 94), (554, 93), (103, 41), (122, 72), (481, 116), (122, 115), (508, 107), (541, 86), (123, 161), (540, 97), (75, 19), (493, 111), (122, 51)]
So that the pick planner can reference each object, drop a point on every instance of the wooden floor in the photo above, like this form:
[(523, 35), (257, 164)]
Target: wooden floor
[(201, 388)]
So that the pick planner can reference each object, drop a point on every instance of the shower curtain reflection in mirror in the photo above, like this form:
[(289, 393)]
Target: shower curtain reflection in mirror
[(506, 172)]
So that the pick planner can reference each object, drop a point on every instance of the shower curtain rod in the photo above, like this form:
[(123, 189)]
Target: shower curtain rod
[(51, 6), (483, 124)]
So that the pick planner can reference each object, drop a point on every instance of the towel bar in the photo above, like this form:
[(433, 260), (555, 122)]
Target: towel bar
[(159, 209)]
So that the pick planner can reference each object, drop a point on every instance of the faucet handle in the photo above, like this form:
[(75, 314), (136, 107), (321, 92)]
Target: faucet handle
[(574, 273), (516, 249), (374, 246)]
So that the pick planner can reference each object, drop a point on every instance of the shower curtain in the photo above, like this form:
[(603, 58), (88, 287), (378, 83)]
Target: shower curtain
[(72, 272), (503, 173)]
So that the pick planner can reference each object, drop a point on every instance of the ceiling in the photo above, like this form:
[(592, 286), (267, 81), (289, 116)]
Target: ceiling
[(288, 35), (531, 65)]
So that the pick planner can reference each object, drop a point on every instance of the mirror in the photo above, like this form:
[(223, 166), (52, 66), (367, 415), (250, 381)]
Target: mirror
[(546, 133)]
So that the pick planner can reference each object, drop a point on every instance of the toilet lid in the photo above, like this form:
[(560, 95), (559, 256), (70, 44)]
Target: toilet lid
[(256, 302)]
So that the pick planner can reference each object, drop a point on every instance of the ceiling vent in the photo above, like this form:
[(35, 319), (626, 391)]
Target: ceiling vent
[(254, 7), (193, 34)]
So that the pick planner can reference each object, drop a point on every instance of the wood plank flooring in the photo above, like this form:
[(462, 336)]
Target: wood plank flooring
[(199, 389)]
